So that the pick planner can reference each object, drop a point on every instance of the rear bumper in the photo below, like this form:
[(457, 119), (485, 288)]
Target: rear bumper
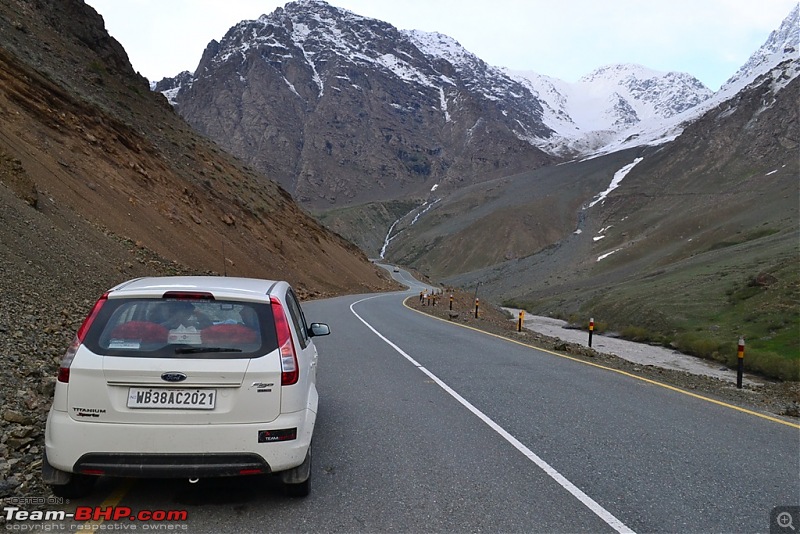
[(171, 465), (166, 451)]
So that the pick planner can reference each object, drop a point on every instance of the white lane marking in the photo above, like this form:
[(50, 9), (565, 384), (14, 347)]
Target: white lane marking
[(590, 503)]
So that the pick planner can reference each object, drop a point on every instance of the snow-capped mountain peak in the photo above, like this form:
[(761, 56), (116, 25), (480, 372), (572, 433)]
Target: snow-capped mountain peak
[(325, 100), (435, 44), (649, 93), (782, 44), (604, 104), (310, 47), (618, 106)]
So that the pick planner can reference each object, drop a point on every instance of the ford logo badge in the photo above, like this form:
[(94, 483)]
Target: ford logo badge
[(173, 377)]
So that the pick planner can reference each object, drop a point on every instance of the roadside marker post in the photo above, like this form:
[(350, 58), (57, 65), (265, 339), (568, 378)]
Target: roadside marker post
[(740, 367), (476, 307), (451, 302), (521, 320), (591, 330)]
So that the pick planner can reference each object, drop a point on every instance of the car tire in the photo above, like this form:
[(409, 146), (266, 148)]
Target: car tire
[(77, 487), (298, 489)]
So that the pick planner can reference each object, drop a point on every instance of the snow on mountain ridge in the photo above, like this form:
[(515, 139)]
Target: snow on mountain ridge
[(318, 31), (437, 44), (781, 44), (616, 96), (606, 106), (603, 105), (493, 83)]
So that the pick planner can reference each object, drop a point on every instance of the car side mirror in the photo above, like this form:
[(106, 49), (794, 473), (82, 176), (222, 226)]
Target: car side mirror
[(318, 329)]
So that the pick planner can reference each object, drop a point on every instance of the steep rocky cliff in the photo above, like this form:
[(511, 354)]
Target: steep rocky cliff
[(82, 136), (343, 109)]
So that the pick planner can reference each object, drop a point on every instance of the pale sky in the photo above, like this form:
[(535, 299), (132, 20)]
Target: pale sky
[(566, 39)]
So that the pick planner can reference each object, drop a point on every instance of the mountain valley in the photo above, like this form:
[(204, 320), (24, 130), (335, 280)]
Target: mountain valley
[(416, 150), (331, 138)]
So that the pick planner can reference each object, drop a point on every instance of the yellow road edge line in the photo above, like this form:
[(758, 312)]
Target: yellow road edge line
[(625, 373), (114, 498)]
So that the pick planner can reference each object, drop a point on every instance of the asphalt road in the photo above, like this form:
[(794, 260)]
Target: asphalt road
[(426, 426)]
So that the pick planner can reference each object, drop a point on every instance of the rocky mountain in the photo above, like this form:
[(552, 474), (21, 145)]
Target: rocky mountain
[(247, 90), (688, 201), (343, 109), (691, 243), (623, 106), (782, 44), (730, 172), (360, 121), (681, 231), (83, 138), (169, 87), (613, 107)]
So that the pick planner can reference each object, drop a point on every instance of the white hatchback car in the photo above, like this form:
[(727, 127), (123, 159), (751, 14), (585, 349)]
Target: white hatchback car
[(186, 377)]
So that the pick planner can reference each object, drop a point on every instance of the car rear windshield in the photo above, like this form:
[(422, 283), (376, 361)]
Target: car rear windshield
[(167, 328)]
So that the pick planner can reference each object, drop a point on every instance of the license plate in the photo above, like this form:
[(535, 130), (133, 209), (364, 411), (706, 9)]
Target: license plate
[(192, 399)]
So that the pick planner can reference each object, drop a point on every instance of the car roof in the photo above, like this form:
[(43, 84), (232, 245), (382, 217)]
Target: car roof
[(220, 286)]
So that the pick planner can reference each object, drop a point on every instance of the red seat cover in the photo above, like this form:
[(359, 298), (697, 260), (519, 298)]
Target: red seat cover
[(222, 334), (144, 331)]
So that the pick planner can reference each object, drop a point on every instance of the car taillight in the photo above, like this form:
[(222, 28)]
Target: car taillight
[(290, 369), (66, 361)]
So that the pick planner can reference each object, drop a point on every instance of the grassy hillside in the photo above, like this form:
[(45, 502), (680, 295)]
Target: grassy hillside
[(697, 246), (503, 220), (702, 305)]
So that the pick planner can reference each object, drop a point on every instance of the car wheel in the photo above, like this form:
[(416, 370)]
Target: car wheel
[(77, 487), (291, 487), (298, 490)]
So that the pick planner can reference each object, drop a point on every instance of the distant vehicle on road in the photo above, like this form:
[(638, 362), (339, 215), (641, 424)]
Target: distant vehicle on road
[(186, 377)]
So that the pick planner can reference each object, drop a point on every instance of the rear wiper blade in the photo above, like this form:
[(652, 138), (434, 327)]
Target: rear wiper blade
[(197, 350)]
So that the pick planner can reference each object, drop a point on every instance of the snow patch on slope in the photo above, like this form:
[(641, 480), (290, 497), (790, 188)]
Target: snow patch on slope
[(618, 176)]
